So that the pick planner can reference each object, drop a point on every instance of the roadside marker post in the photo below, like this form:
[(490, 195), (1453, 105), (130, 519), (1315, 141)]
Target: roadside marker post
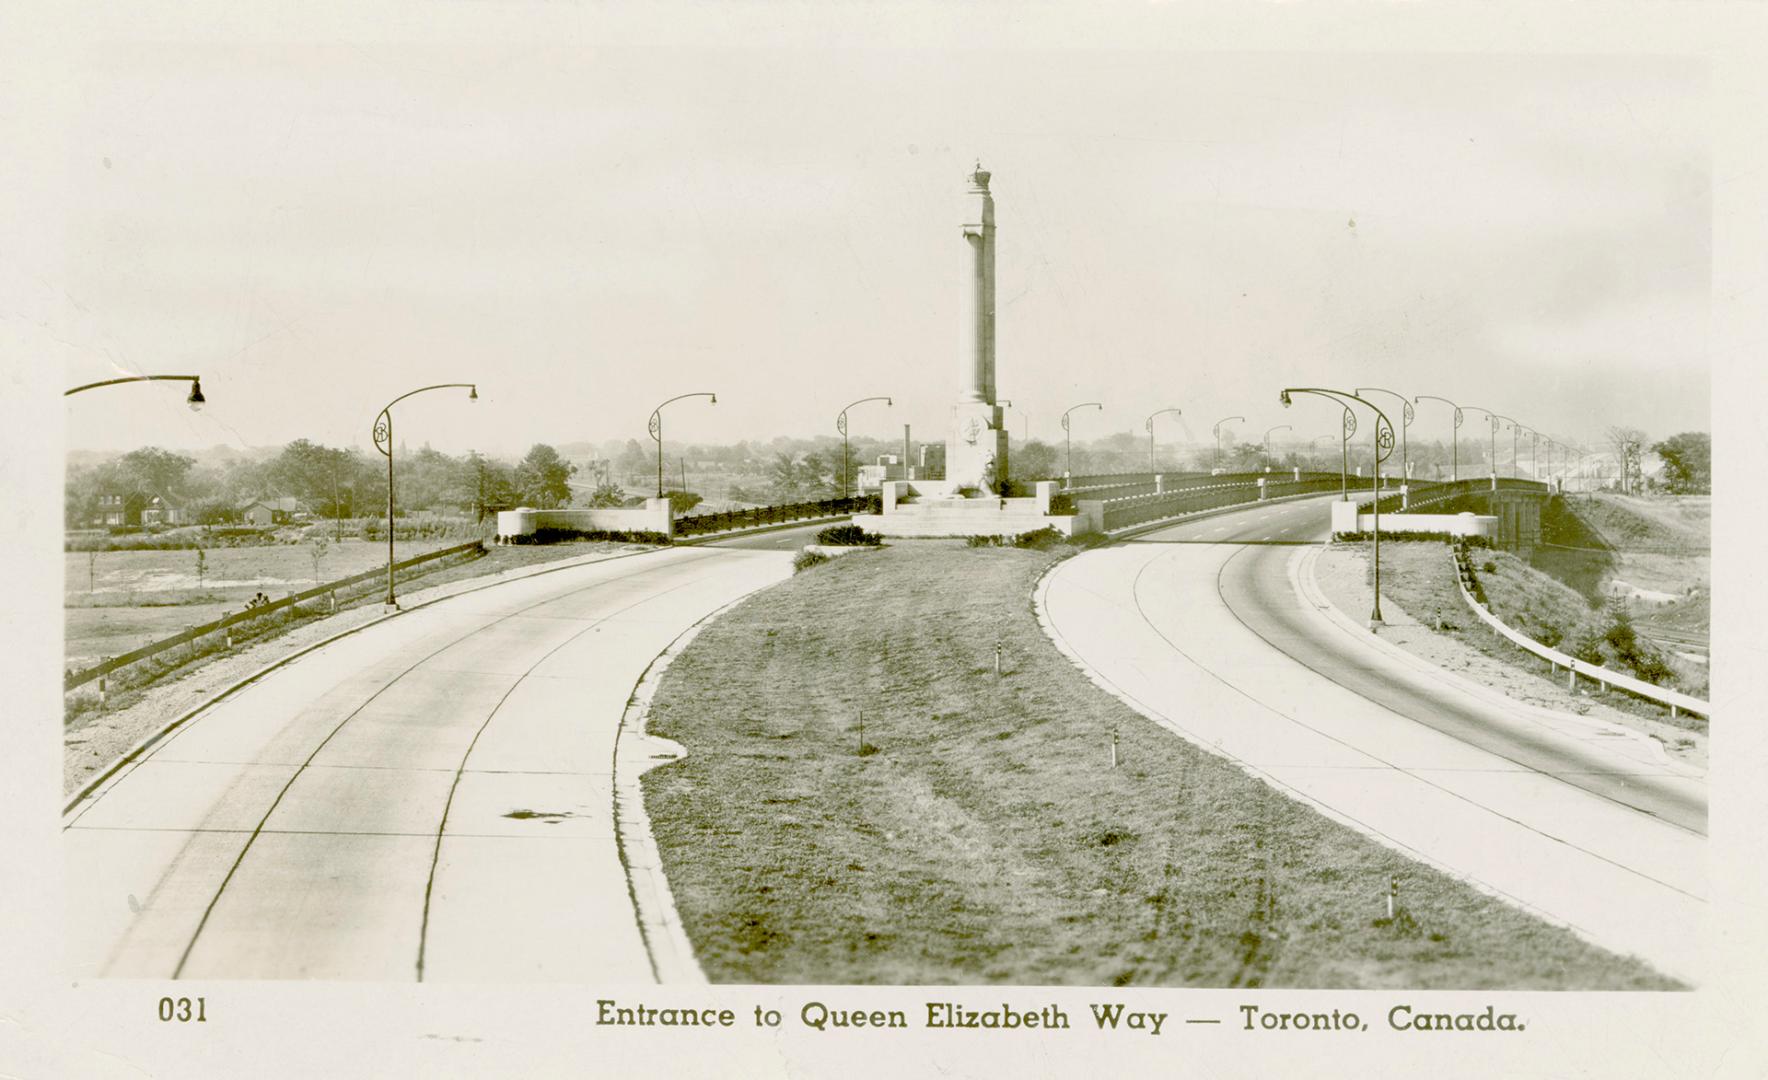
[(1114, 748), (997, 658), (1393, 890)]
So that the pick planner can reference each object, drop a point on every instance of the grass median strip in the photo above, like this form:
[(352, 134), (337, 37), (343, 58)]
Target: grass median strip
[(865, 801)]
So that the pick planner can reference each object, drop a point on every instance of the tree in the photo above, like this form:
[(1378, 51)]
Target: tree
[(493, 484), (154, 471), (1688, 462), (1626, 442), (680, 502), (608, 494), (330, 482), (1033, 460), (543, 478)]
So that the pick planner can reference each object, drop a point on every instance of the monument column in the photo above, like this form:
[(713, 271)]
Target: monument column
[(976, 453)]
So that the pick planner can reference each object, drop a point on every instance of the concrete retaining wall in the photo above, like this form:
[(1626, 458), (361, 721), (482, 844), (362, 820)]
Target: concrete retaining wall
[(1346, 518), (654, 517)]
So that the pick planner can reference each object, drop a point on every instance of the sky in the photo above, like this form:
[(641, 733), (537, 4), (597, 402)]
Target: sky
[(585, 213)]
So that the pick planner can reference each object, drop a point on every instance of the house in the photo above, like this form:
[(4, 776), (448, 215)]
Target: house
[(279, 511), (161, 510), (118, 509)]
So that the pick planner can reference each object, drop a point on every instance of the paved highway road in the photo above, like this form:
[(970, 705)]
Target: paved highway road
[(1202, 627), (430, 798)]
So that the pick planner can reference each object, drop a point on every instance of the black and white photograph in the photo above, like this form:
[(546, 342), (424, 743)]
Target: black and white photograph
[(592, 539)]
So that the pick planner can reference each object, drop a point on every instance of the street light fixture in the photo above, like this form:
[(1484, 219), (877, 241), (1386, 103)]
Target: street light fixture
[(1024, 420), (1216, 432), (1067, 441), (1513, 426), (656, 429), (1454, 435), (196, 401), (1406, 415), (1384, 446), (1148, 425), (1279, 427), (1492, 420), (841, 426), (383, 441)]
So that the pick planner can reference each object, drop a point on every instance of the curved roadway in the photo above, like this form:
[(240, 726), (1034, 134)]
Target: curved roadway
[(1210, 627), (429, 798)]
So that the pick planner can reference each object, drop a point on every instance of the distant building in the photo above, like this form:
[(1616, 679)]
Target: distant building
[(262, 512), (161, 510), (117, 509)]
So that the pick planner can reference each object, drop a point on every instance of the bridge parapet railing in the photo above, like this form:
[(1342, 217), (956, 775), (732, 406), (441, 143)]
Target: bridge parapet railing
[(727, 520), (1114, 514)]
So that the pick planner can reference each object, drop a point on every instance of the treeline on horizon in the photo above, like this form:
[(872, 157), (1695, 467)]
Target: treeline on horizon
[(211, 487)]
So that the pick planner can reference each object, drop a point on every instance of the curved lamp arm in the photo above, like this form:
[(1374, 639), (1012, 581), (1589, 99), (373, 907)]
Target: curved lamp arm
[(656, 424), (1384, 428), (1082, 405), (383, 425), (196, 400), (1444, 400), (841, 419), (1217, 429), (1406, 412), (1148, 424)]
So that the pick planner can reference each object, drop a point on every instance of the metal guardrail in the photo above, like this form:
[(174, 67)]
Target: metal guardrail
[(1604, 677), (80, 678), (726, 520)]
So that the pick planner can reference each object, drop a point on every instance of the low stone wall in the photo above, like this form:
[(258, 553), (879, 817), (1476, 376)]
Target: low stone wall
[(1347, 518), (654, 517)]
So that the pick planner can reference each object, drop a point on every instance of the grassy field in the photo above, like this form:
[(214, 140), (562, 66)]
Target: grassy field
[(128, 685), (974, 831), (121, 600)]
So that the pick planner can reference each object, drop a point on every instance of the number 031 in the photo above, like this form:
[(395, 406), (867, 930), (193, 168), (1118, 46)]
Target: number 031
[(183, 1010)]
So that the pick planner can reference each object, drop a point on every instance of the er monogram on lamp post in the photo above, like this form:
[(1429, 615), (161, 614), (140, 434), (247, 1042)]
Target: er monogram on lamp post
[(383, 441), (1217, 432), (1068, 443), (841, 426), (1148, 424), (1454, 435), (1384, 446), (656, 429)]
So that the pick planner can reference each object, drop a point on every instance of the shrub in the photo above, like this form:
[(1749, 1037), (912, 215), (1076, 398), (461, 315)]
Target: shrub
[(804, 560), (1489, 566), (1039, 539), (558, 536), (848, 535)]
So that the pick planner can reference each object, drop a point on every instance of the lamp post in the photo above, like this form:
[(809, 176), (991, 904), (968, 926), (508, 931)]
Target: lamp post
[(1492, 421), (1384, 445), (1495, 418), (1216, 432), (1454, 435), (383, 441), (1279, 427), (1067, 441), (1406, 415), (841, 426), (1148, 424), (656, 429), (196, 401)]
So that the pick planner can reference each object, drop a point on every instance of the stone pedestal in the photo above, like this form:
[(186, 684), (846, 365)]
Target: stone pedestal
[(976, 454)]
